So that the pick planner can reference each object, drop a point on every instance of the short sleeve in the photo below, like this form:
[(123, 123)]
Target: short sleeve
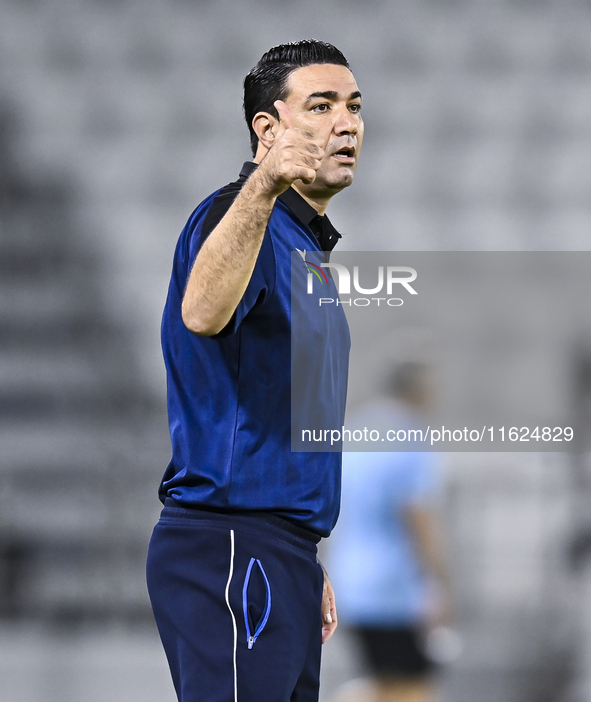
[(200, 227)]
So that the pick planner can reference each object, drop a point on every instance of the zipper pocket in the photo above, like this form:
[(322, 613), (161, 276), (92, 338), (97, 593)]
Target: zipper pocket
[(252, 631)]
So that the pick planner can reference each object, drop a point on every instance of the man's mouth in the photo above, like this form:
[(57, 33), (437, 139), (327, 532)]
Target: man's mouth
[(346, 154)]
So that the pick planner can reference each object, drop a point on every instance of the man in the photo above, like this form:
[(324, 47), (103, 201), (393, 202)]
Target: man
[(386, 557), (241, 603)]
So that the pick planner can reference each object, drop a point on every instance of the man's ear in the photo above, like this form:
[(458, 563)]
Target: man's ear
[(265, 126)]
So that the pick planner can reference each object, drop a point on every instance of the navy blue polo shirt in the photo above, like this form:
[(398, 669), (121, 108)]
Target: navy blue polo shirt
[(229, 395)]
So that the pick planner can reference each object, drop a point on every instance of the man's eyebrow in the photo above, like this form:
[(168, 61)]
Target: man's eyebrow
[(331, 95), (328, 94)]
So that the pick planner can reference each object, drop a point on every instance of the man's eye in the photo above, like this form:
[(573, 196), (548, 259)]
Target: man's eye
[(323, 107), (355, 107)]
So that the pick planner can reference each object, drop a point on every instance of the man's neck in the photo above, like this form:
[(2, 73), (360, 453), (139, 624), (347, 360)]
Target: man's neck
[(319, 204)]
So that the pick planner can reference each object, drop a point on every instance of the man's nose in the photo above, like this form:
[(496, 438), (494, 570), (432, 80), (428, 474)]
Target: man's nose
[(346, 122)]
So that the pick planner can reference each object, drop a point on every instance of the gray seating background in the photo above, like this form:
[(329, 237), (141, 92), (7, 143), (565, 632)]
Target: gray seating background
[(116, 118)]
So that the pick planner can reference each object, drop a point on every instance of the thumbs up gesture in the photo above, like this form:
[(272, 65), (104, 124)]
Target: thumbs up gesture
[(297, 151)]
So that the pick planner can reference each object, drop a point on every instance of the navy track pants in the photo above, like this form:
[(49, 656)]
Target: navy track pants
[(237, 601)]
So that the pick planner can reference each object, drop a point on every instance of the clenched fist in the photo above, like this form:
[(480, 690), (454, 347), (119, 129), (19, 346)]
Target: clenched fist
[(296, 154)]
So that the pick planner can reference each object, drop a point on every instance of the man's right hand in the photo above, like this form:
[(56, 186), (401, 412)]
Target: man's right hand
[(296, 154), (224, 265)]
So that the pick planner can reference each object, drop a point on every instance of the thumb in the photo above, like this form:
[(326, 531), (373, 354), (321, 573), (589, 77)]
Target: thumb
[(326, 615), (285, 114)]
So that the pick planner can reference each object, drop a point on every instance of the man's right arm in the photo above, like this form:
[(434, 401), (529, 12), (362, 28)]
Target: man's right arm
[(224, 265), (425, 531)]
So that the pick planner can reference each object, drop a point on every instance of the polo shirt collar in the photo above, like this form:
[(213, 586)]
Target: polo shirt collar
[(302, 210)]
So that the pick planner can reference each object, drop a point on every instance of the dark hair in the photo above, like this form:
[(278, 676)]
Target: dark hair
[(406, 378), (267, 81)]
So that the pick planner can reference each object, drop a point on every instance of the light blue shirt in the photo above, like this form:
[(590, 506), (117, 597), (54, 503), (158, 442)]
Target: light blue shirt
[(372, 562)]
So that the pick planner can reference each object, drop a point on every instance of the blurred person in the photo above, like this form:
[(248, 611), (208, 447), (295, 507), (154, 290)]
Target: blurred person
[(385, 556), (241, 602)]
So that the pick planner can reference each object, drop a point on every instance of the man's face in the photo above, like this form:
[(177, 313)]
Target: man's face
[(325, 97)]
